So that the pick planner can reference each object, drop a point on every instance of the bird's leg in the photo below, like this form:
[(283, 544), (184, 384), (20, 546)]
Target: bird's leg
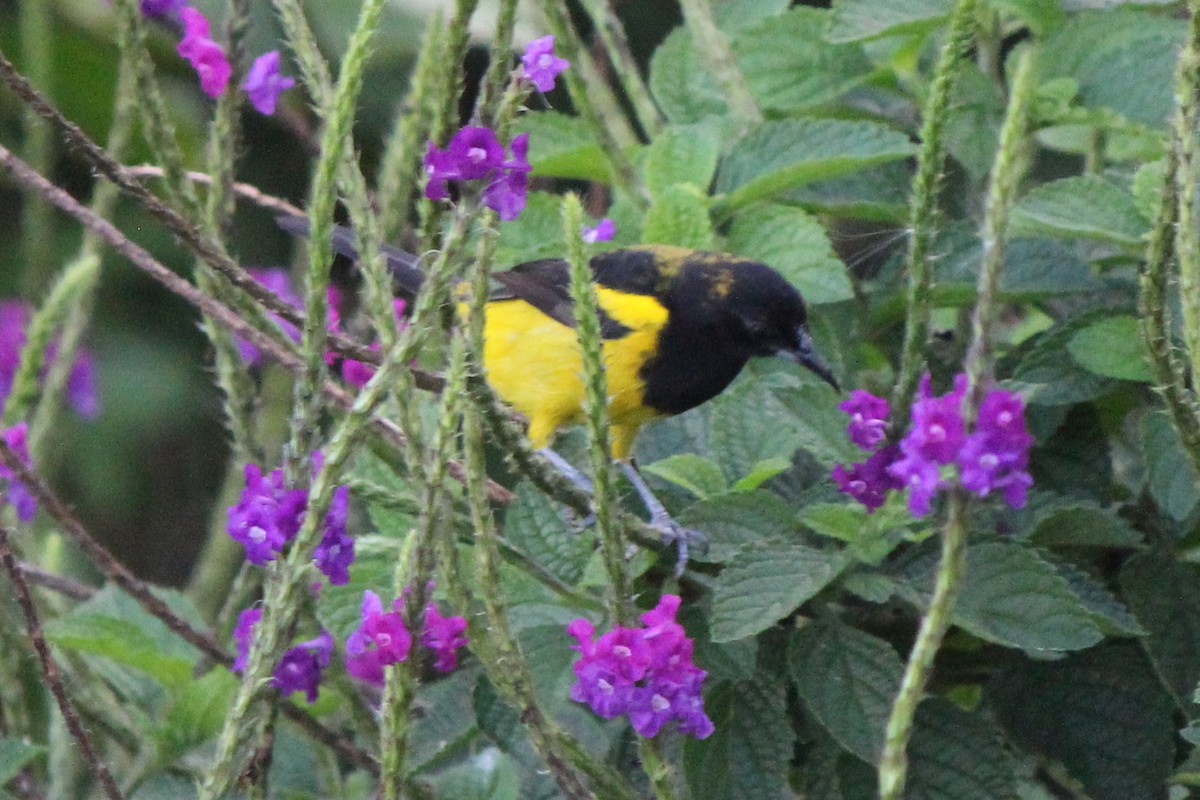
[(576, 477), (672, 532)]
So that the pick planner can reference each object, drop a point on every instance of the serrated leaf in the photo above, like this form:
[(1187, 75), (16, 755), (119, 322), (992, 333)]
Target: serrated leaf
[(747, 756), (534, 525), (871, 537), (1077, 523), (563, 146), (1051, 376), (797, 246), (14, 755), (489, 775), (1172, 478), (777, 156), (787, 65), (1086, 207), (536, 233), (854, 20), (878, 193), (695, 473), (973, 120), (1123, 60), (765, 582), (682, 155), (113, 625), (1165, 598), (1033, 268), (732, 520), (848, 680), (339, 608), (197, 713), (762, 472), (1113, 348), (820, 426), (1100, 713), (679, 216), (1109, 613), (956, 754), (1015, 598), (748, 425)]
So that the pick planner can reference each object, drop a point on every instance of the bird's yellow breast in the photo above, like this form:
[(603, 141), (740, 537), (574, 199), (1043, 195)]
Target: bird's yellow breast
[(534, 364)]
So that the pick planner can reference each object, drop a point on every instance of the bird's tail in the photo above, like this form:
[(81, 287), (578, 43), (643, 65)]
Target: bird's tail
[(403, 266)]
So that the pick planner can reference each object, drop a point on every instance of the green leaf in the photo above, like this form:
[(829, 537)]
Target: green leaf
[(113, 625), (956, 754), (1033, 268), (820, 425), (749, 425), (973, 120), (1123, 60), (562, 146), (339, 608), (738, 518), (854, 20), (679, 216), (695, 473), (762, 472), (796, 245), (536, 233), (1015, 598), (682, 155), (777, 156), (1171, 476), (14, 755), (787, 64), (1048, 373), (1165, 597), (848, 680), (878, 193), (490, 775), (747, 756), (1113, 348), (197, 713), (1100, 713), (1070, 522), (765, 582), (534, 525), (1110, 614), (1086, 207), (871, 537)]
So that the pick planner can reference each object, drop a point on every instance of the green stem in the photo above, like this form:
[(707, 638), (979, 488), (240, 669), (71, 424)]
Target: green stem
[(1006, 172), (1187, 242), (922, 209), (612, 33), (714, 49), (37, 216)]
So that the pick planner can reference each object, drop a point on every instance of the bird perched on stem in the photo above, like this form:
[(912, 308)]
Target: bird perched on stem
[(677, 325)]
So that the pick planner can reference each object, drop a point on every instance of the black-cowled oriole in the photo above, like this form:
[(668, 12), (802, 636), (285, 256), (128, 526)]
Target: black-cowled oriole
[(678, 326)]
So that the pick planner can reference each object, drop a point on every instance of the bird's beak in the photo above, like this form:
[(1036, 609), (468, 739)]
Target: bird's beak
[(807, 356)]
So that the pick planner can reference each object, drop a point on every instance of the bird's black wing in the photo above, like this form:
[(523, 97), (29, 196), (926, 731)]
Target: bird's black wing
[(546, 285), (402, 264)]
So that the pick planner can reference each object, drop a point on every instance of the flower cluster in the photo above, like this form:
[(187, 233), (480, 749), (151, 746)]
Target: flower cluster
[(263, 82), (268, 515), (382, 639), (602, 231), (18, 495), (301, 667), (644, 673), (539, 64), (475, 154), (81, 385), (995, 456), (357, 373)]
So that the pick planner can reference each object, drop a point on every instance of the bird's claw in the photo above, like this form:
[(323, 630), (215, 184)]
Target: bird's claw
[(684, 539)]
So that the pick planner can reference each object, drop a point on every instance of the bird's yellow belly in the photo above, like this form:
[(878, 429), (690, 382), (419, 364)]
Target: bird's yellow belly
[(534, 365)]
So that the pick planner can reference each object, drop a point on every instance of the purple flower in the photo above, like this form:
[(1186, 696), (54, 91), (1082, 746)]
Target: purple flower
[(18, 495), (443, 635), (243, 636), (205, 54), (162, 8), (937, 426), (921, 477), (868, 418), (602, 231), (379, 640), (301, 668), (264, 84), (277, 281), (645, 673), (870, 481), (541, 65), (996, 454), (335, 553), (267, 515), (81, 384), (475, 153), (357, 373)]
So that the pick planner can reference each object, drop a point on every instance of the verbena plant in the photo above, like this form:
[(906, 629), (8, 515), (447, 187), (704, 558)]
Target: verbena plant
[(998, 602)]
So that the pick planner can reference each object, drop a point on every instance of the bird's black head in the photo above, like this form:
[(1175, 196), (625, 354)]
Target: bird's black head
[(770, 317)]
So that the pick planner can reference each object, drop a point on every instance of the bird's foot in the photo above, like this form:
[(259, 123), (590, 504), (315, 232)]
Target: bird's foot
[(684, 539)]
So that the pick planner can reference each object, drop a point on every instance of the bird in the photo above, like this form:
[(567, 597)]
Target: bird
[(677, 326)]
